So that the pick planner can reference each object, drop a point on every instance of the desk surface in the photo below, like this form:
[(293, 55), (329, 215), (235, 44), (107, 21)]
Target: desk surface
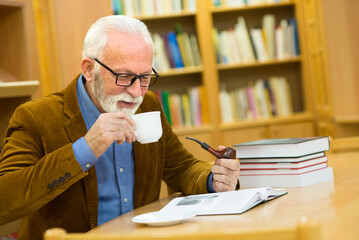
[(334, 203)]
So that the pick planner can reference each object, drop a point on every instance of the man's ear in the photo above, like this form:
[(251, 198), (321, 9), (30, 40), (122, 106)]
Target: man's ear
[(87, 65)]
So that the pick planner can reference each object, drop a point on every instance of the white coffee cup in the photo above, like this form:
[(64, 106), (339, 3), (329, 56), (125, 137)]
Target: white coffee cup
[(148, 126)]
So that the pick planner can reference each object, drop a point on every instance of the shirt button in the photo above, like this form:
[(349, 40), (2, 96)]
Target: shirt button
[(88, 165), (121, 169), (125, 200)]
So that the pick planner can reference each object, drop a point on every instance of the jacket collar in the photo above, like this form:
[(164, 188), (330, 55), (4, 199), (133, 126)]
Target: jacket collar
[(76, 128)]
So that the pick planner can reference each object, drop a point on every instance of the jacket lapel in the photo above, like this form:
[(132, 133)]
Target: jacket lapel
[(76, 128)]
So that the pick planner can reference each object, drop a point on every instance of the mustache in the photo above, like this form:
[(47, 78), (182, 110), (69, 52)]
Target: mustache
[(125, 97)]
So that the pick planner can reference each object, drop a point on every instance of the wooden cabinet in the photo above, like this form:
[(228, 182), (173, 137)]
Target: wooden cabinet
[(291, 130), (61, 28), (236, 136), (295, 69), (332, 39), (286, 128), (19, 69)]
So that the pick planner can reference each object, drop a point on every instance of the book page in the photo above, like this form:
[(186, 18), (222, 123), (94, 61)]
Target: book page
[(233, 202)]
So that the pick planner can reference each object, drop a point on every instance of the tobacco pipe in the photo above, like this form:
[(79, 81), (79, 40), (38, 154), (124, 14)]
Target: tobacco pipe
[(228, 152)]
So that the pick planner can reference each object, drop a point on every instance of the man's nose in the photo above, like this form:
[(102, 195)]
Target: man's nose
[(135, 89)]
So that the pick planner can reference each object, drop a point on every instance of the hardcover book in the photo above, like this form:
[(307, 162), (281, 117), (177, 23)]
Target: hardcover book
[(282, 147), (282, 159), (299, 180), (280, 165), (282, 171)]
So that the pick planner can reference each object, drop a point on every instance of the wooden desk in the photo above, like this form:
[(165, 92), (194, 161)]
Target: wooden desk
[(334, 203)]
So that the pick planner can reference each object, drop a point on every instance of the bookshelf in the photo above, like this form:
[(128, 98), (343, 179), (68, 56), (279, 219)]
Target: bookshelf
[(18, 67), (18, 60), (332, 43), (179, 80), (294, 69)]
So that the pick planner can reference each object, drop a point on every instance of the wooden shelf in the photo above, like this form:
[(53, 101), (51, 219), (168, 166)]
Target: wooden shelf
[(226, 9), (181, 71), (18, 89), (11, 4), (193, 130), (258, 64), (297, 117), (350, 119), (166, 16)]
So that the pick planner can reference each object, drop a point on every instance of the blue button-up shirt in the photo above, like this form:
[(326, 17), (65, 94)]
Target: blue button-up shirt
[(114, 168)]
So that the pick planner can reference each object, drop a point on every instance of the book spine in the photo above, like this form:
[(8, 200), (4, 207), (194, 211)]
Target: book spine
[(175, 51)]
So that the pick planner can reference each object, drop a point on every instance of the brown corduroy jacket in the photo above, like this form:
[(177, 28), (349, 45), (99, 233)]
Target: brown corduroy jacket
[(42, 182)]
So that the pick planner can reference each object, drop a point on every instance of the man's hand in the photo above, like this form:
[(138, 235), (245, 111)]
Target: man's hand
[(225, 174), (110, 127)]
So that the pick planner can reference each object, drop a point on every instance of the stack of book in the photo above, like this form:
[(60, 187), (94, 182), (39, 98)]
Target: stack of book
[(286, 162)]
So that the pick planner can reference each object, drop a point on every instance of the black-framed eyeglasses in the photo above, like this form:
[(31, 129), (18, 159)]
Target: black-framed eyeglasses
[(127, 79)]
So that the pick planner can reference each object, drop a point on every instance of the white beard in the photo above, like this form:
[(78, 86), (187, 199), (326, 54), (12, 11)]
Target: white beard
[(109, 103)]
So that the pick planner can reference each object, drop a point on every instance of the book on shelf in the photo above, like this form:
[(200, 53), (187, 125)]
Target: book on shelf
[(168, 51), (271, 41), (195, 50), (117, 7), (269, 32), (294, 25), (195, 102), (152, 8), (166, 105), (216, 45), (232, 202), (175, 109), (224, 100), (162, 62), (282, 95), (242, 3), (299, 180), (245, 45), (261, 100), (175, 50), (185, 109), (282, 147), (290, 160), (258, 43)]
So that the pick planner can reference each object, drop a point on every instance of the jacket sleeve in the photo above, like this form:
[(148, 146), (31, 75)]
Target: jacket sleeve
[(33, 171)]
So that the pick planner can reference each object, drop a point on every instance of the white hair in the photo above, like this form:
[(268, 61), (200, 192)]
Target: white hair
[(97, 36)]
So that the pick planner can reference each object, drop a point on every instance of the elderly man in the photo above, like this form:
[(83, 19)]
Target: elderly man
[(70, 159)]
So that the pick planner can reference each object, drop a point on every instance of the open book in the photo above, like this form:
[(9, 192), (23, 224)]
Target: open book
[(233, 202)]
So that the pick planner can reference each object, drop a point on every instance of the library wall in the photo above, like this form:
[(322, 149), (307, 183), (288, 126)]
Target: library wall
[(207, 78)]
